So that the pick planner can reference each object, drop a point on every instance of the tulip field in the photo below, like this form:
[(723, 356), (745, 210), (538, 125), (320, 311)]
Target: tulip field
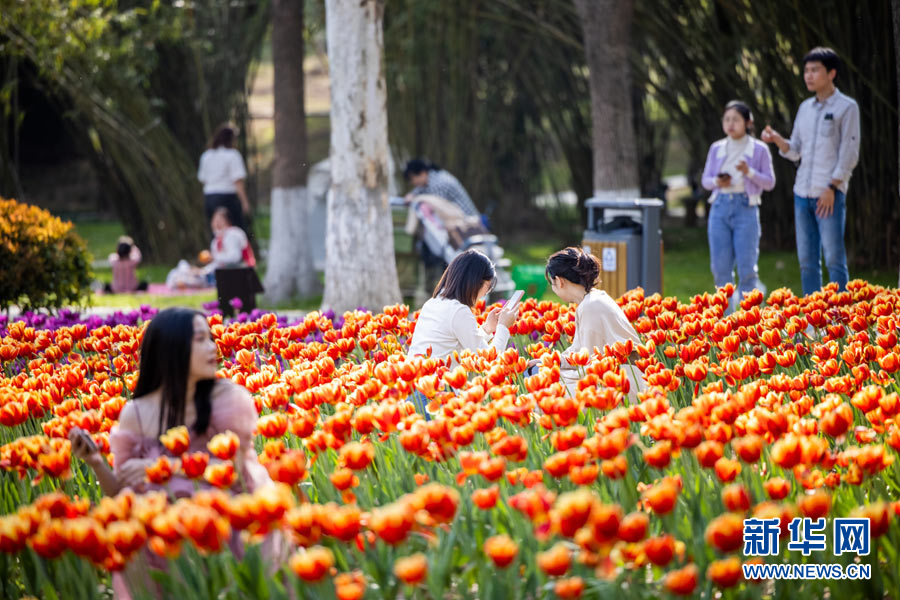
[(510, 488)]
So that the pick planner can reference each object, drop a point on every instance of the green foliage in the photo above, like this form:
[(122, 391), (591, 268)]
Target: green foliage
[(693, 57), (45, 263), (143, 85), (506, 75)]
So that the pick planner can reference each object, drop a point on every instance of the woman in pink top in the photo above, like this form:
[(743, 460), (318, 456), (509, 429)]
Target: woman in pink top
[(124, 262), (176, 386)]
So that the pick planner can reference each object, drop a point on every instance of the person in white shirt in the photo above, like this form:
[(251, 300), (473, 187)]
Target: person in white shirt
[(446, 322), (599, 321), (230, 247), (222, 174)]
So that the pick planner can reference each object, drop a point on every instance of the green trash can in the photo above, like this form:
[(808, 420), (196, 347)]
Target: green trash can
[(531, 279)]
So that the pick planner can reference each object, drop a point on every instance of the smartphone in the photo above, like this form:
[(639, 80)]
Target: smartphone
[(515, 298), (88, 441), (724, 175)]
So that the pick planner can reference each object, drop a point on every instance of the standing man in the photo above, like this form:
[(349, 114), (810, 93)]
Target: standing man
[(825, 140)]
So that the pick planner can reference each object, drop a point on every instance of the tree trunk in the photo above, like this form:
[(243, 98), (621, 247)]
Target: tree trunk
[(607, 40), (359, 256), (290, 265), (895, 9)]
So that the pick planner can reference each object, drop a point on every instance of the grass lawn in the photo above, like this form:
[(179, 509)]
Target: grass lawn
[(685, 266)]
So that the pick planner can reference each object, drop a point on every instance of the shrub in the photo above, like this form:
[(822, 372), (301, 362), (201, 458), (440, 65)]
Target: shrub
[(43, 262)]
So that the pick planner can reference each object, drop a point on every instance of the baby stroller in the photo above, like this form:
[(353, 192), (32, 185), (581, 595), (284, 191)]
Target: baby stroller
[(443, 231)]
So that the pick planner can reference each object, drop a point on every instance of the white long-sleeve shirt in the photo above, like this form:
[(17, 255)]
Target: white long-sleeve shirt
[(446, 325), (600, 322), (825, 140)]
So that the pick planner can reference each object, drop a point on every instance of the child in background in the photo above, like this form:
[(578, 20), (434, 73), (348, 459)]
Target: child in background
[(124, 264), (230, 246)]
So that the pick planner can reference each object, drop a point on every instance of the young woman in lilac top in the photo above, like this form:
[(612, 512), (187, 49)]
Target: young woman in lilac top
[(738, 169)]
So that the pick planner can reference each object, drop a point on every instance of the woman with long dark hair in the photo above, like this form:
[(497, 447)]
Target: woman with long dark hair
[(223, 175), (176, 386), (446, 322)]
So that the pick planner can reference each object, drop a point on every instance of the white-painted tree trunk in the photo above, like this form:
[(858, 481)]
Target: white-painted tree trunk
[(359, 256), (290, 269), (607, 45)]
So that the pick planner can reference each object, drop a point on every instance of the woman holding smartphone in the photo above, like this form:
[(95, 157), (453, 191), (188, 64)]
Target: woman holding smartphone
[(446, 322), (177, 386), (738, 169)]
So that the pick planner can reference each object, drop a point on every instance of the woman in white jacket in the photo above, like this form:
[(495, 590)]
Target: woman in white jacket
[(446, 322), (599, 321)]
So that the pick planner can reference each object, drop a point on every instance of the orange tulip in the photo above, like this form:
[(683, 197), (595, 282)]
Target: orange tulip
[(660, 550), (615, 468), (205, 527), (725, 532), (879, 516), (176, 440), (501, 549), (572, 587), (814, 505), (127, 537), (662, 496), (708, 453), (350, 586), (14, 531), (313, 564), (492, 469), (736, 498), (486, 498), (161, 471), (357, 455), (439, 501), (633, 527), (393, 522), (305, 523), (555, 561), (343, 479), (659, 455), (85, 537), (572, 511), (411, 570), (777, 488), (194, 464), (273, 425), (726, 572), (224, 445), (342, 522), (748, 448), (50, 540), (682, 581), (290, 468), (221, 475), (727, 470)]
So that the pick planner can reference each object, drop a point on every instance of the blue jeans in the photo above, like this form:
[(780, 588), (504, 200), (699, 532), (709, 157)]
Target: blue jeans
[(816, 235), (733, 229), (419, 400)]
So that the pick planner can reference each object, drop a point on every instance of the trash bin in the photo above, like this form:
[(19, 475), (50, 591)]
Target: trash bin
[(626, 237)]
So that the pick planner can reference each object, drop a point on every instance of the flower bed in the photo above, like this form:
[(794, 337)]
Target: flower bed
[(512, 490)]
